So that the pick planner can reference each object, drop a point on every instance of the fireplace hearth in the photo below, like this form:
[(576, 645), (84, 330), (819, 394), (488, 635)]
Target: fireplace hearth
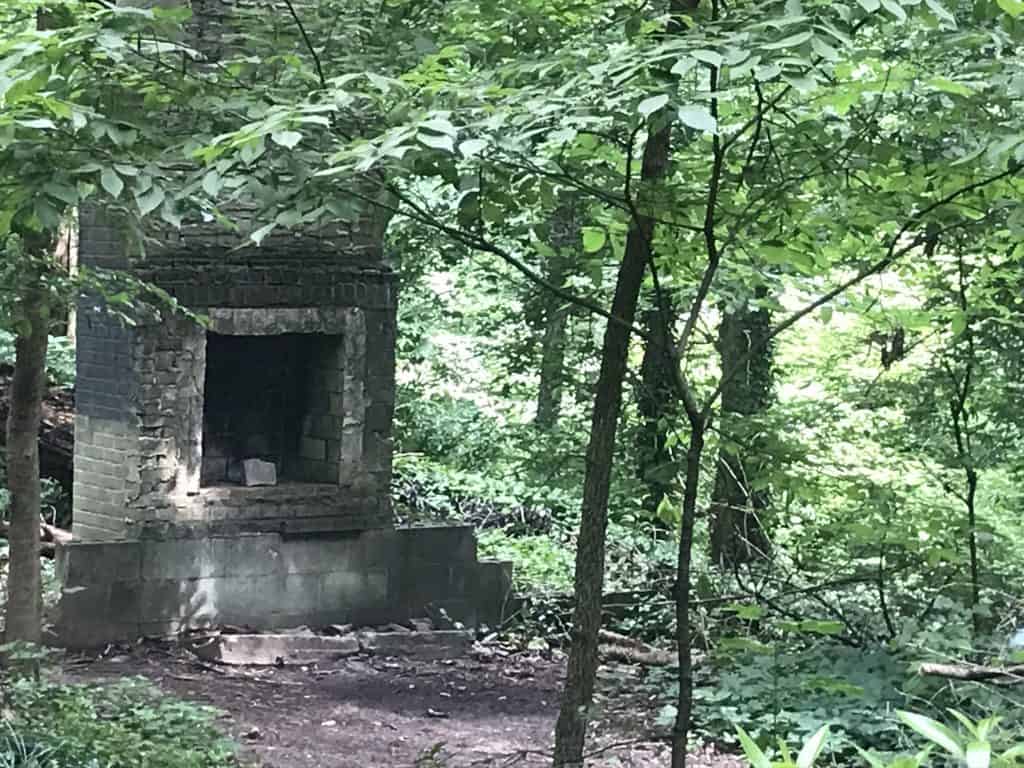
[(273, 398)]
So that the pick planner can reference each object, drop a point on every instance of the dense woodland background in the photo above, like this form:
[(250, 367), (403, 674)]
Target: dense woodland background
[(712, 308)]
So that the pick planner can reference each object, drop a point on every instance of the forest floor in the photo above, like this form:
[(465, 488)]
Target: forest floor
[(372, 712)]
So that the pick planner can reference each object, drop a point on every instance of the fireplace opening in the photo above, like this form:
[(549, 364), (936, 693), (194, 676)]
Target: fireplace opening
[(276, 399)]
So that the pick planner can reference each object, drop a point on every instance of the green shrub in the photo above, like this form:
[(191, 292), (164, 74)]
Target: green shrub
[(54, 502), (17, 752), (972, 744), (127, 724), (60, 358), (541, 563)]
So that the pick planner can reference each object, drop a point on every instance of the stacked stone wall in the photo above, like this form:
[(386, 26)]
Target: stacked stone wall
[(141, 388)]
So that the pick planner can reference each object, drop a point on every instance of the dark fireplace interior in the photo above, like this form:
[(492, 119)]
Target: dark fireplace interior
[(265, 397)]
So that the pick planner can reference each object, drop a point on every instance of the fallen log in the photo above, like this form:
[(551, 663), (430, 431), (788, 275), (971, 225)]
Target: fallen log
[(49, 537), (973, 672), (616, 647), (54, 534)]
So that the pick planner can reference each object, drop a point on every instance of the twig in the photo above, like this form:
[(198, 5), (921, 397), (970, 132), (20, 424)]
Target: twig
[(973, 672), (309, 43)]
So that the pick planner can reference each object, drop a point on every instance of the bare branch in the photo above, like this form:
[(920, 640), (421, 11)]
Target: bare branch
[(308, 42)]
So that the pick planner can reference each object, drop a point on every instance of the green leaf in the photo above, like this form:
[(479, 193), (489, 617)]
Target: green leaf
[(260, 234), (471, 147), (440, 125), (48, 215), (789, 42), (812, 748), (802, 83), (823, 49), (743, 611), (1013, 754), (699, 118), (708, 57), (436, 141), (820, 627), (149, 201), (252, 150), (683, 65), (895, 9), (870, 5), (286, 139), (39, 123), (212, 183), (757, 758), (652, 104), (934, 731), (940, 11), (949, 86), (747, 644), (170, 215), (1013, 7), (593, 239), (959, 323), (121, 136), (63, 192), (176, 15), (111, 182)]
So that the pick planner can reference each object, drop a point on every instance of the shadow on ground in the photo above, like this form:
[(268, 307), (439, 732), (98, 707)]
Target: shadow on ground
[(371, 712)]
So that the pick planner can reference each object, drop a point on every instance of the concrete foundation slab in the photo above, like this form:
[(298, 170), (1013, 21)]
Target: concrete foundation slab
[(270, 580), (275, 650)]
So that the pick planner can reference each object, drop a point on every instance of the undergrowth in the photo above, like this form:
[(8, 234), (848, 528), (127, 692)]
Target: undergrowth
[(60, 358), (124, 724)]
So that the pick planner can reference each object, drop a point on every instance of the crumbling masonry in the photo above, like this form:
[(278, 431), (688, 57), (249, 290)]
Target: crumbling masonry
[(238, 471)]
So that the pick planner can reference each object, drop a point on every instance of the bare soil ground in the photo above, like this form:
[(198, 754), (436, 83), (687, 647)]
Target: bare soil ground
[(372, 712)]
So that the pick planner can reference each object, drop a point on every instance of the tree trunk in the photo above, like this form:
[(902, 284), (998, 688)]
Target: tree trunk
[(737, 505), (570, 731), (24, 593), (565, 240), (684, 703), (657, 402), (552, 362)]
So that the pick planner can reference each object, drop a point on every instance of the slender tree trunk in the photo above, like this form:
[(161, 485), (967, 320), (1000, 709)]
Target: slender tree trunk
[(972, 546), (565, 240), (684, 703), (24, 599), (570, 731), (737, 506), (960, 417), (552, 362), (657, 402)]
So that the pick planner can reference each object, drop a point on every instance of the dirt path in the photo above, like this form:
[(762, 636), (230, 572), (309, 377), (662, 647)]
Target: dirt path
[(391, 713)]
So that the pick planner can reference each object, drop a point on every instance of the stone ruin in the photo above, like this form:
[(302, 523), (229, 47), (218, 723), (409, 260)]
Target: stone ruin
[(238, 471)]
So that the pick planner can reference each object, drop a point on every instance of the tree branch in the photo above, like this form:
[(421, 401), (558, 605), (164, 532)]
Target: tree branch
[(308, 42), (892, 254)]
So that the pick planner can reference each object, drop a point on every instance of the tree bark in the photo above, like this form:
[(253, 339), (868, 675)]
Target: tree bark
[(577, 696), (737, 506), (684, 702), (24, 598), (552, 360), (565, 241), (552, 363), (657, 402)]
